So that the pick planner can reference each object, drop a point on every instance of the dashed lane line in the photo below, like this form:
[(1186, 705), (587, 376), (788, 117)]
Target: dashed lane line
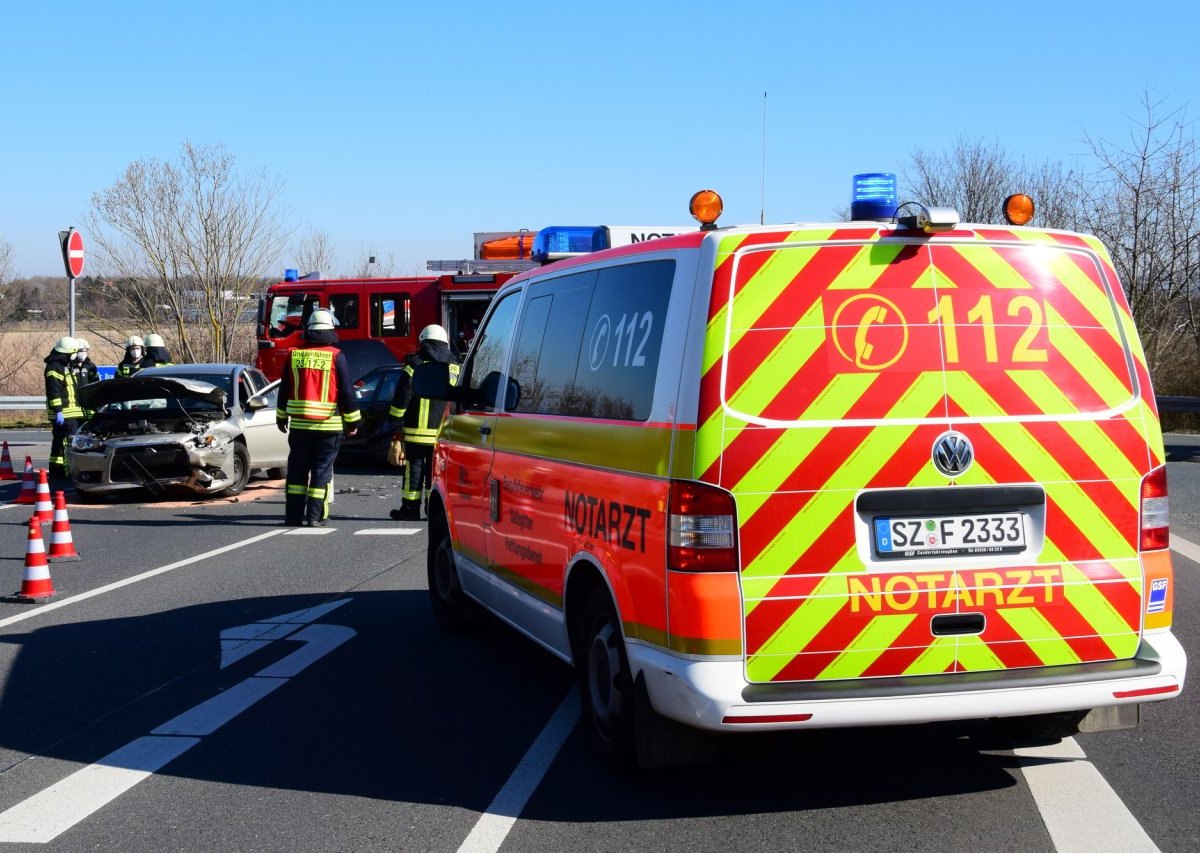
[(1081, 811), (1188, 549), (494, 824), (387, 531), (83, 596)]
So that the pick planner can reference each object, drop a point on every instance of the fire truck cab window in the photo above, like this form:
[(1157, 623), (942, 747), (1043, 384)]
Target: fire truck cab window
[(345, 308), (289, 313), (391, 315)]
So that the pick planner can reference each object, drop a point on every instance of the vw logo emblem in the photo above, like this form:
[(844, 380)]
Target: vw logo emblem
[(953, 454)]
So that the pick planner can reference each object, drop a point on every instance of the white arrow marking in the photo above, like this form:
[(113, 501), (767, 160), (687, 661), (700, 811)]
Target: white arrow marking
[(51, 812)]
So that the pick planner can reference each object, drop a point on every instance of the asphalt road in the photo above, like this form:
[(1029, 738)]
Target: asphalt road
[(334, 715)]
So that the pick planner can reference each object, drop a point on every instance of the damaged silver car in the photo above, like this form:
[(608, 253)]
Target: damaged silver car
[(200, 427)]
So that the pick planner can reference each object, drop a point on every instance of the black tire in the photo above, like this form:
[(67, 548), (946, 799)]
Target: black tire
[(454, 610), (606, 688), (1042, 727), (277, 473), (241, 472)]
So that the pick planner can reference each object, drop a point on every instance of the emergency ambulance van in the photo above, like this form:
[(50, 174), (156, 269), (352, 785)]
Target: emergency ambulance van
[(893, 470)]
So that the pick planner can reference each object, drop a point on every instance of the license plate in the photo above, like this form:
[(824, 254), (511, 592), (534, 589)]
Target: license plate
[(949, 535)]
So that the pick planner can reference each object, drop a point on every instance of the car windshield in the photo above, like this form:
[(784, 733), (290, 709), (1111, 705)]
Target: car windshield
[(162, 405)]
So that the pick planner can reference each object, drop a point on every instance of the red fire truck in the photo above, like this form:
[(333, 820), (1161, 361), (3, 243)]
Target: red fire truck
[(379, 318)]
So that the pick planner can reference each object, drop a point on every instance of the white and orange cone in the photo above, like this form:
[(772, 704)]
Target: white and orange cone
[(29, 486), (62, 546), (6, 468), (36, 584), (43, 509)]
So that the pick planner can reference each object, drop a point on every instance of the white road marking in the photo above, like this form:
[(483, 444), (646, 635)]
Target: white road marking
[(388, 531), (83, 596), (54, 810), (1188, 549), (1081, 811), (311, 531), (494, 824), (51, 812)]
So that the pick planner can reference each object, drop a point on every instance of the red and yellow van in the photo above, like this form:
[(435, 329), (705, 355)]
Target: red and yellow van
[(816, 475)]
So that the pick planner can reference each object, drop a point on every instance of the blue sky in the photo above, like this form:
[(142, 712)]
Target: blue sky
[(403, 128)]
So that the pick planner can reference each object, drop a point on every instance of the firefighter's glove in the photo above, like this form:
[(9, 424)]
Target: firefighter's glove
[(282, 426), (396, 452), (58, 418)]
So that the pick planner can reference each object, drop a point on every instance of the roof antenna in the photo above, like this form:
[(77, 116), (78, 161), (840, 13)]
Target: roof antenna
[(762, 215)]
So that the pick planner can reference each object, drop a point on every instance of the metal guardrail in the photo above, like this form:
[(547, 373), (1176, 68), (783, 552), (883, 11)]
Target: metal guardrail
[(1183, 405), (19, 404)]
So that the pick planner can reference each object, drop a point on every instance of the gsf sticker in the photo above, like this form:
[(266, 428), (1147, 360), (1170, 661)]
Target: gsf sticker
[(626, 339), (1158, 596)]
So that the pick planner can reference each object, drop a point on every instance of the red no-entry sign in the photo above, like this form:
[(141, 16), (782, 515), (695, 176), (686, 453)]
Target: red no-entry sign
[(72, 249)]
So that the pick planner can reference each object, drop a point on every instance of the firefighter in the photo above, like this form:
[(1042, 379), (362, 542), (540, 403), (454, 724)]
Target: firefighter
[(135, 357), (156, 352), (316, 395), (62, 406), (82, 365), (418, 420)]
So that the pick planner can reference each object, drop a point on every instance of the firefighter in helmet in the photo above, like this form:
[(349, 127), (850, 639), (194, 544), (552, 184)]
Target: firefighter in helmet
[(135, 357), (82, 366), (418, 420), (317, 398), (62, 405), (157, 354)]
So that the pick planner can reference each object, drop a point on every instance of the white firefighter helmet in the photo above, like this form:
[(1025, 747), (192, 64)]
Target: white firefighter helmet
[(66, 344), (434, 332), (135, 341), (155, 341), (320, 319)]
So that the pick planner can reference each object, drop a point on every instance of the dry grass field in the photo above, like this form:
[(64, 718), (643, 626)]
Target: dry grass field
[(23, 346)]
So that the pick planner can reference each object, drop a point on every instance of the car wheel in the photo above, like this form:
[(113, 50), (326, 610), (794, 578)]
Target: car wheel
[(452, 608), (279, 473), (606, 683), (241, 472)]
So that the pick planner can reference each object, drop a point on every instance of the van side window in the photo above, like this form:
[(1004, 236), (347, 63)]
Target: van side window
[(548, 344), (486, 374), (622, 337), (391, 315)]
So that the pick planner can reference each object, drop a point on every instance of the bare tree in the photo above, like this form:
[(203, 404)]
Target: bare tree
[(975, 177), (371, 264), (1143, 201), (186, 244), (314, 253), (6, 256)]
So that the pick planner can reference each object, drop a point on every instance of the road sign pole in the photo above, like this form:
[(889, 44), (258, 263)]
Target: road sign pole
[(71, 308)]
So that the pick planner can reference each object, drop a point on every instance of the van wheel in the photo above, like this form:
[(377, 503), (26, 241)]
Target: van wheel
[(1042, 727), (452, 608), (241, 472), (606, 689)]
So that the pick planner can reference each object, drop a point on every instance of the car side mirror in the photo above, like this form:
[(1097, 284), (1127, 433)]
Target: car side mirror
[(431, 380), (256, 403)]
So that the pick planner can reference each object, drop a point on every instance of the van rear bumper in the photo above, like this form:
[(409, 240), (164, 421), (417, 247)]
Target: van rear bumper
[(715, 695)]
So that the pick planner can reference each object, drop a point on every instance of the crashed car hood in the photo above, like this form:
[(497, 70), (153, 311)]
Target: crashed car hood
[(99, 394)]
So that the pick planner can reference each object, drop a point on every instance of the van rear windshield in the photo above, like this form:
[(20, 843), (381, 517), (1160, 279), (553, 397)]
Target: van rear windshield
[(837, 332)]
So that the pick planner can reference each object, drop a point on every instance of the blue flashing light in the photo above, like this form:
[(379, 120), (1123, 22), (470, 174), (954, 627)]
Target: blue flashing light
[(874, 196), (291, 275), (561, 240)]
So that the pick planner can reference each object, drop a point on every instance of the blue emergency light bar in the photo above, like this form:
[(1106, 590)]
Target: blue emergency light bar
[(874, 196), (560, 241), (291, 275)]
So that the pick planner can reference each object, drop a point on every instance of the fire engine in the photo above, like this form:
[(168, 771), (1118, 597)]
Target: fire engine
[(379, 318)]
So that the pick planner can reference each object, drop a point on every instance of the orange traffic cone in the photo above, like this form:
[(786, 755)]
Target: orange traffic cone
[(29, 486), (62, 546), (6, 468), (43, 510), (37, 583)]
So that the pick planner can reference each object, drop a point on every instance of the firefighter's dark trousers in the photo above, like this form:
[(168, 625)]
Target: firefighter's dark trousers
[(311, 454), (60, 437), (418, 466)]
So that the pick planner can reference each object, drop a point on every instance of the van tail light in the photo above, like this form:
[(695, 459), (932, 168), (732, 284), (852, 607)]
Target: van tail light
[(1156, 529), (702, 529)]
